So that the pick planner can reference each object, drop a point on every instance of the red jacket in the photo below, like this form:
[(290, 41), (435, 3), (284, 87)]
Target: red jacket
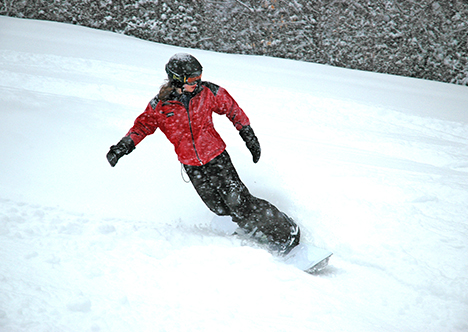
[(191, 130)]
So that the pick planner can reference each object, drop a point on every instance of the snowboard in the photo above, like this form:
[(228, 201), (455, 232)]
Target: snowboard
[(309, 258), (306, 257)]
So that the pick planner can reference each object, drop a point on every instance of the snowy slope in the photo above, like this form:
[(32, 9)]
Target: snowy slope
[(373, 167)]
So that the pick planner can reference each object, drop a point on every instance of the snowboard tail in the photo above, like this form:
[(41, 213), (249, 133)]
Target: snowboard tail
[(308, 258)]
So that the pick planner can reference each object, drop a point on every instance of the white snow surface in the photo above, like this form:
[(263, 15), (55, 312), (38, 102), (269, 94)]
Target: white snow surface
[(373, 167)]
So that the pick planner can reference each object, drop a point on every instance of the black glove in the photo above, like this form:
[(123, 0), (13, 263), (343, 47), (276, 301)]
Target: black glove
[(125, 146), (251, 141)]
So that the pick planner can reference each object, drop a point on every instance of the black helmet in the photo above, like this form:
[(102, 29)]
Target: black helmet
[(183, 68)]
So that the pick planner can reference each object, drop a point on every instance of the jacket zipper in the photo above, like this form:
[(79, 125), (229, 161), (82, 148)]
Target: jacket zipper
[(191, 133)]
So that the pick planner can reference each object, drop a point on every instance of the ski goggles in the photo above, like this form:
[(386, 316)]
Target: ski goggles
[(192, 79), (188, 80)]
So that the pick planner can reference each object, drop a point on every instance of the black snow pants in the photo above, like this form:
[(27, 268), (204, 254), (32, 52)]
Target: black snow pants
[(221, 189)]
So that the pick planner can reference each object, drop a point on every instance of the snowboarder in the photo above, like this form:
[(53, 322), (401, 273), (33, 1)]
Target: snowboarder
[(183, 111)]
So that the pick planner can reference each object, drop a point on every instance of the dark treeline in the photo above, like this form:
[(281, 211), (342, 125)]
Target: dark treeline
[(416, 38)]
